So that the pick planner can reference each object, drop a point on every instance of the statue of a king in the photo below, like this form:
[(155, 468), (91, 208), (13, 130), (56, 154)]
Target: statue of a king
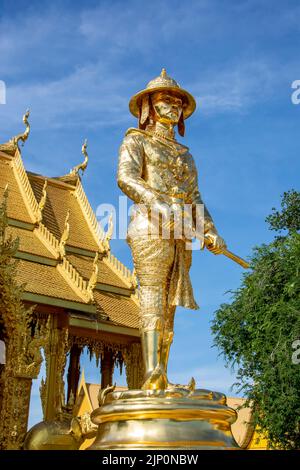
[(159, 174)]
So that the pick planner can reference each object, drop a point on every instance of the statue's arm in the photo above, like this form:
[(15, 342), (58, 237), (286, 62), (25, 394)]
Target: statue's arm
[(196, 198), (130, 171), (216, 243)]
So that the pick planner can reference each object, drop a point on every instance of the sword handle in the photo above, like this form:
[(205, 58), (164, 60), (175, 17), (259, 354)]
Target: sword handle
[(231, 255)]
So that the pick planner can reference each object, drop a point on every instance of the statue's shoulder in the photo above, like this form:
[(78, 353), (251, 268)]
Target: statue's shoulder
[(138, 133)]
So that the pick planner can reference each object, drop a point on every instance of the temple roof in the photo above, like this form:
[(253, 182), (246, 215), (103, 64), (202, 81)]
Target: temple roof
[(44, 280), (119, 309), (105, 273), (60, 198), (63, 253), (28, 242), (16, 204)]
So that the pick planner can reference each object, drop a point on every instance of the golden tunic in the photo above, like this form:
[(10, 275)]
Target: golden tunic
[(154, 168)]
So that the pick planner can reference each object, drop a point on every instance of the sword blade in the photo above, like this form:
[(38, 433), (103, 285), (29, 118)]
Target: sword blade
[(232, 256), (236, 258)]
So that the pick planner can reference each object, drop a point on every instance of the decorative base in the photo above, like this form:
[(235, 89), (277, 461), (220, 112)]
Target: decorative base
[(174, 419)]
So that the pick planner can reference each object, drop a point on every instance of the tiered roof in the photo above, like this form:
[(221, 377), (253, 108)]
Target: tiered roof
[(64, 255)]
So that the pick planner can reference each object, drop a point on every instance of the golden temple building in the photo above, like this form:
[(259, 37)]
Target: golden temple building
[(81, 293)]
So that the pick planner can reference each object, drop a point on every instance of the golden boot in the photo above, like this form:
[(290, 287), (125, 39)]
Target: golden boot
[(165, 352), (155, 375)]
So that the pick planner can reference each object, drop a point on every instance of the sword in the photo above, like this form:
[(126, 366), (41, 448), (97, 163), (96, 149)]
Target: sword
[(229, 254), (224, 251), (205, 241)]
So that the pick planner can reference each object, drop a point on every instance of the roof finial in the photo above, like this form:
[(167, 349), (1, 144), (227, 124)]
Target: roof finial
[(65, 236), (25, 134), (108, 234), (94, 276), (134, 281), (82, 166), (11, 146), (163, 73), (42, 201)]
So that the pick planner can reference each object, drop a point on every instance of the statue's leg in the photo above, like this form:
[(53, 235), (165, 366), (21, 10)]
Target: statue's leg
[(168, 332), (152, 260), (151, 326), (167, 338)]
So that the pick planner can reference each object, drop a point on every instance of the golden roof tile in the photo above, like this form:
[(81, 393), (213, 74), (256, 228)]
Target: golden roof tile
[(28, 242), (44, 280), (106, 275), (16, 207), (59, 199), (120, 310)]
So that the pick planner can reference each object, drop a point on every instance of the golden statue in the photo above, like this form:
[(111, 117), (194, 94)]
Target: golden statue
[(158, 172), (159, 175)]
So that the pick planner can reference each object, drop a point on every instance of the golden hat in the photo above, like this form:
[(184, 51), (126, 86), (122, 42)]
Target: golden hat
[(161, 83)]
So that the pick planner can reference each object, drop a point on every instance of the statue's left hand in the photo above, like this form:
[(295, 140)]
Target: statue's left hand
[(217, 244)]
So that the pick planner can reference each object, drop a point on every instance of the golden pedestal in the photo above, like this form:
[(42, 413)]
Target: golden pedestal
[(175, 419)]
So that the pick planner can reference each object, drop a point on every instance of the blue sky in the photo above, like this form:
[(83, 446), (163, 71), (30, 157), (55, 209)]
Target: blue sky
[(76, 65)]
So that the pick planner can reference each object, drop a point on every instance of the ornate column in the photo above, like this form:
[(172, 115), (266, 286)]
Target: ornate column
[(52, 390), (23, 361), (73, 371), (133, 359), (107, 368), (16, 410)]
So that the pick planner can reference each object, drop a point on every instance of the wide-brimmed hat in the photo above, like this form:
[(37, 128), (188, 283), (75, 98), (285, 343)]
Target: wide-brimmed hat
[(163, 83)]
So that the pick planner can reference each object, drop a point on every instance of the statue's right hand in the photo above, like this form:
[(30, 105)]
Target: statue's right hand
[(161, 209), (173, 217)]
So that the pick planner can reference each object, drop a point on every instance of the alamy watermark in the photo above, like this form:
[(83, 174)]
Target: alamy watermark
[(295, 97), (2, 92), (158, 220), (296, 353)]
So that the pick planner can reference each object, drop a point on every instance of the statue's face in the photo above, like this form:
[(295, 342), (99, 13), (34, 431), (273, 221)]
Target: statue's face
[(167, 107)]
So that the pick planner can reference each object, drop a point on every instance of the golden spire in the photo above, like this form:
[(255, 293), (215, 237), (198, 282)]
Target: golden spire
[(108, 234), (25, 134), (94, 276), (11, 146), (65, 236), (82, 166), (42, 201), (134, 281), (163, 73)]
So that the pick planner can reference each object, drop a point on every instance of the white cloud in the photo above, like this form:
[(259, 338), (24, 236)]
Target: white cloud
[(89, 96), (78, 68), (236, 87)]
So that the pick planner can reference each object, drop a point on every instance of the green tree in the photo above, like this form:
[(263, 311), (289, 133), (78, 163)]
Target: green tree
[(257, 331)]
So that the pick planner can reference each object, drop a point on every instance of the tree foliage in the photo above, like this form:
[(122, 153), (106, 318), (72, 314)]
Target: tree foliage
[(257, 330), (289, 217), (10, 292)]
